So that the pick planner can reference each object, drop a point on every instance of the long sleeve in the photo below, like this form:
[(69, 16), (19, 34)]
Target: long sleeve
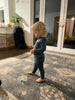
[(40, 46)]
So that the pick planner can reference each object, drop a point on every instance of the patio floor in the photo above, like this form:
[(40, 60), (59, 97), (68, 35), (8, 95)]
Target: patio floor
[(59, 74)]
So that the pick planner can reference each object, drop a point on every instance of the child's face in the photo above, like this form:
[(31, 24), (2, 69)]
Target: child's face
[(37, 34)]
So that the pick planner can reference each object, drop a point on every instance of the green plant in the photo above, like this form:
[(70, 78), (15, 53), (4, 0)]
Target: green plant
[(15, 18)]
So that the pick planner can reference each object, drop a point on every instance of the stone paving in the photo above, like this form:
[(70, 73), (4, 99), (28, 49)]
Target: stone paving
[(59, 73)]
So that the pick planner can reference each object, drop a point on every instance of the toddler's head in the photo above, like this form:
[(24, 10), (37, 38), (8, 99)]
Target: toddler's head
[(39, 29)]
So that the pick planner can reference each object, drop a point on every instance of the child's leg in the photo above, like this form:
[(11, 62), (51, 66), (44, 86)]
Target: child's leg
[(35, 68), (41, 69)]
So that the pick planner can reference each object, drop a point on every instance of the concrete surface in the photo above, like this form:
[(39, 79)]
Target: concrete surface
[(59, 74)]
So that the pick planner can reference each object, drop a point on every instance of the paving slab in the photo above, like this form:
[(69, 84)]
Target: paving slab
[(59, 74)]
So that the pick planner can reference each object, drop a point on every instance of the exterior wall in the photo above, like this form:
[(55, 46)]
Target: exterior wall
[(6, 12), (9, 9), (1, 4), (24, 9)]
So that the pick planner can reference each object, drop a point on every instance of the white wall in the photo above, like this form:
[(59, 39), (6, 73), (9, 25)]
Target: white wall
[(9, 9), (24, 9), (6, 11), (1, 4)]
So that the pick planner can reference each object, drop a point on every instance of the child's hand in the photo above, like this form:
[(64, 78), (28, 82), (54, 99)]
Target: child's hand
[(32, 47), (32, 51)]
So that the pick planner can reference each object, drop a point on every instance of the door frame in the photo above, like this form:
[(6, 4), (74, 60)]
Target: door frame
[(61, 30)]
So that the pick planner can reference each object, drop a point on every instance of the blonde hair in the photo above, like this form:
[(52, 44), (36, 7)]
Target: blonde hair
[(39, 26)]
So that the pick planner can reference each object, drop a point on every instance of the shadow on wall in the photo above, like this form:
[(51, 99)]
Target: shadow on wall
[(19, 38), (27, 37), (25, 26), (21, 35)]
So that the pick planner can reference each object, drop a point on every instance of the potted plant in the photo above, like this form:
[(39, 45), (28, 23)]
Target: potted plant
[(16, 19)]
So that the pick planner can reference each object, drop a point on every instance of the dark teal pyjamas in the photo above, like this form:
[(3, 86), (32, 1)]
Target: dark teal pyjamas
[(39, 48)]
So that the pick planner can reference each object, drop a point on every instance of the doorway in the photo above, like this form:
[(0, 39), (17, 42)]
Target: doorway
[(52, 10), (69, 34), (59, 17)]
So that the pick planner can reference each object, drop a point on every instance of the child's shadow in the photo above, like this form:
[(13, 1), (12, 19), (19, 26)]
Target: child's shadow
[(65, 89)]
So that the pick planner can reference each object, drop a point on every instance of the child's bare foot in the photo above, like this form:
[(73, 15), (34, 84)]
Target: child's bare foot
[(30, 73), (39, 80)]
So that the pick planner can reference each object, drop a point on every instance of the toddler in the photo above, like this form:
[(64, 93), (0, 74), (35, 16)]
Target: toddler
[(40, 31)]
